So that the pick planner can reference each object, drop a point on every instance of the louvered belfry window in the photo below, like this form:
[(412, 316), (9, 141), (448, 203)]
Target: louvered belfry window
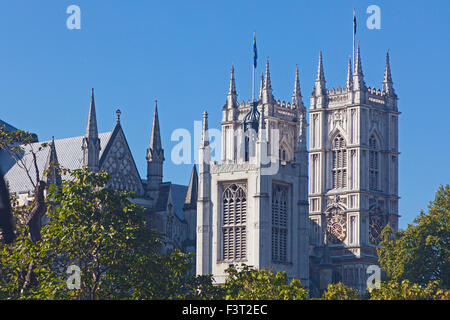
[(339, 165), (373, 164), (279, 223), (234, 222)]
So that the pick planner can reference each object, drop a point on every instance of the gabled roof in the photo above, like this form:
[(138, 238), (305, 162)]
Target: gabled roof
[(70, 156)]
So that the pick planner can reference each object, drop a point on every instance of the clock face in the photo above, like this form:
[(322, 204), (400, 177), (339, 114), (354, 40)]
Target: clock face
[(375, 228), (336, 228)]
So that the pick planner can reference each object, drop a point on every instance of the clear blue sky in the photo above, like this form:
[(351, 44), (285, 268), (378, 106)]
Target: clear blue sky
[(180, 52)]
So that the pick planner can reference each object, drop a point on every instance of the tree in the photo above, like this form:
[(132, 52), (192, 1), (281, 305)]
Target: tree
[(339, 291), (18, 144), (203, 288), (103, 233), (406, 290), (251, 284), (421, 253)]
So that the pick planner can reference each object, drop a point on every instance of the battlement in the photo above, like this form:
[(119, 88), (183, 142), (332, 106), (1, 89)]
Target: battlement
[(277, 103)]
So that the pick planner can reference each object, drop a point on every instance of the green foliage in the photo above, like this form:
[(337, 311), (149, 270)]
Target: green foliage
[(203, 288), (407, 290), (251, 284), (101, 231), (421, 253), (339, 291)]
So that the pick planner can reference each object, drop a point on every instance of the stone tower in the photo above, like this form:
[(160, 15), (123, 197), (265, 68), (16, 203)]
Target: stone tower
[(252, 207), (353, 185)]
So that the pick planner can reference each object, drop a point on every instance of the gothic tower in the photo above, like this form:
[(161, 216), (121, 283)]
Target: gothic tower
[(91, 142), (353, 186), (155, 158), (252, 207)]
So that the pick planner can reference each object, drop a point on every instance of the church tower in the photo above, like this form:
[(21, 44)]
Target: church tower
[(91, 142), (252, 206), (353, 186), (155, 158)]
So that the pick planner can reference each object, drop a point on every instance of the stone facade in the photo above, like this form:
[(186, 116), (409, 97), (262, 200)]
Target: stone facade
[(353, 185), (252, 207)]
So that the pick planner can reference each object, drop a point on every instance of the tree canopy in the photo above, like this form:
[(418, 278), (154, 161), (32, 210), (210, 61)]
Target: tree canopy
[(103, 233), (421, 253)]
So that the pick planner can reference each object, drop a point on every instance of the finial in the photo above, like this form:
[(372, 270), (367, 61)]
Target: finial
[(358, 76), (320, 73), (358, 64), (349, 82), (261, 86), (267, 96), (267, 83), (232, 95), (387, 80), (205, 137), (319, 86), (118, 113)]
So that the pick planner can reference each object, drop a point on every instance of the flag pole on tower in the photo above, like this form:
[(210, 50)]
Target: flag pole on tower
[(354, 34), (255, 57)]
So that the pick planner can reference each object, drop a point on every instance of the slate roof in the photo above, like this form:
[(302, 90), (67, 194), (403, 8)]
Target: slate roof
[(178, 195), (69, 153), (8, 127)]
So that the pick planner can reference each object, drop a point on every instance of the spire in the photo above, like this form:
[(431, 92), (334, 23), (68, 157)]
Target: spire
[(261, 87), (267, 96), (232, 95), (91, 142), (51, 167), (297, 94), (205, 137), (91, 128), (358, 76), (349, 82), (190, 202), (155, 158), (387, 81), (319, 87), (155, 138)]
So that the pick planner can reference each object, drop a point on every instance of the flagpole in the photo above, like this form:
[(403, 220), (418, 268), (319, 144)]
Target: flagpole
[(354, 29), (253, 79)]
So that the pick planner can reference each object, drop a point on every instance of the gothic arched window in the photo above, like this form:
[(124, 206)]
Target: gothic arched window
[(339, 165), (234, 221), (373, 163), (279, 223)]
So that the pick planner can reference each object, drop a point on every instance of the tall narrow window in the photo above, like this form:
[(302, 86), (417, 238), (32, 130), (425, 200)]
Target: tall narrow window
[(339, 165), (373, 164), (353, 230), (279, 223), (234, 221)]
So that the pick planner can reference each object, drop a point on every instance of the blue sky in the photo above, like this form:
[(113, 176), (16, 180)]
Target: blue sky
[(180, 52)]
